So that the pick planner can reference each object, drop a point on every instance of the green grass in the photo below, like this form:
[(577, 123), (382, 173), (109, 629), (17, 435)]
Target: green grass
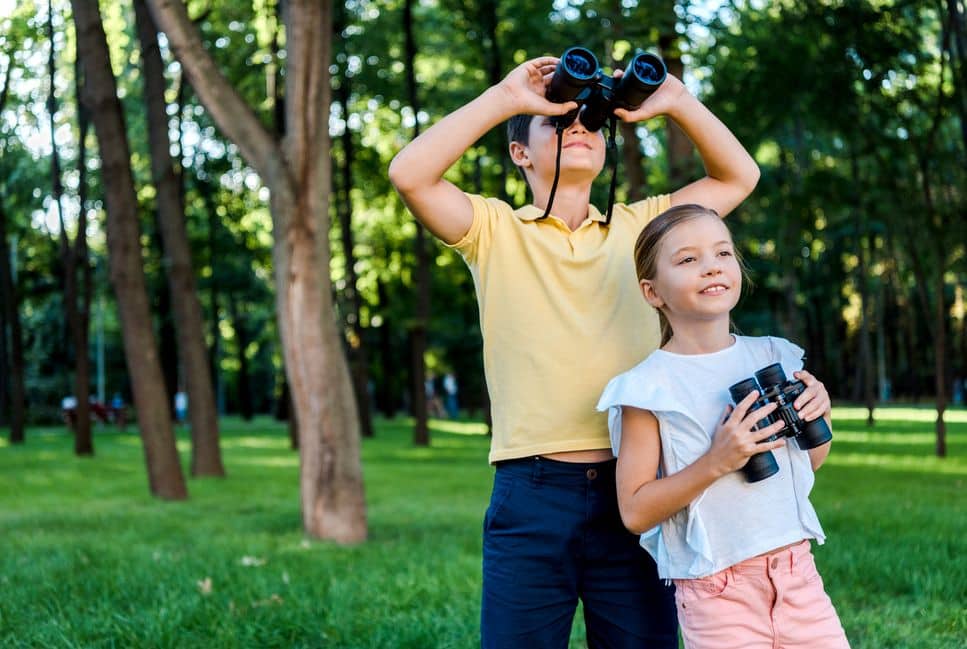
[(88, 559)]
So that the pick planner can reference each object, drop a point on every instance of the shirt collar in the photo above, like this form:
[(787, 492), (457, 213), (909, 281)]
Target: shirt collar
[(532, 213)]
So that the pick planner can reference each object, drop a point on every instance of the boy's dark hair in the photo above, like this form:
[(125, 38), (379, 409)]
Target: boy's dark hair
[(518, 129)]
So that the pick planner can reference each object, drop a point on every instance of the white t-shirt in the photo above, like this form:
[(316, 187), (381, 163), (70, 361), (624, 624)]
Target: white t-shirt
[(732, 520)]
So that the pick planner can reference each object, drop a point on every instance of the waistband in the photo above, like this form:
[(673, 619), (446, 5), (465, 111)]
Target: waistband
[(783, 559), (542, 469)]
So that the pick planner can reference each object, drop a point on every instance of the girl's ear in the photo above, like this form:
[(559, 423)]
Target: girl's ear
[(649, 291)]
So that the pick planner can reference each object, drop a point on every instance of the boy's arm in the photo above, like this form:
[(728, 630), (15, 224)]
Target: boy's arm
[(732, 174), (417, 171)]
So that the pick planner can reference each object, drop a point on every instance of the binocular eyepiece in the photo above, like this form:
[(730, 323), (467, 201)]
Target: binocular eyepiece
[(578, 77), (775, 388)]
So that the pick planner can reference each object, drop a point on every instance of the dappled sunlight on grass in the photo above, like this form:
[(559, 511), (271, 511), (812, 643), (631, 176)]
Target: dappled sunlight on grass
[(458, 427), (922, 464), (291, 462), (900, 413), (875, 437), (231, 566), (263, 442)]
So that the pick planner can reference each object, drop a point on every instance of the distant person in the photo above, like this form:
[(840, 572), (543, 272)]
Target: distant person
[(735, 543), (68, 408), (433, 405), (181, 406), (118, 410), (450, 395)]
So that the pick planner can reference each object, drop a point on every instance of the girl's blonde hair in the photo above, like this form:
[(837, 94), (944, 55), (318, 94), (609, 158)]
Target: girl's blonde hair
[(649, 245)]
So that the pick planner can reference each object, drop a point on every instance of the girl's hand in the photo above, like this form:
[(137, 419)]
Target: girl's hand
[(735, 441), (661, 102), (525, 85), (814, 402)]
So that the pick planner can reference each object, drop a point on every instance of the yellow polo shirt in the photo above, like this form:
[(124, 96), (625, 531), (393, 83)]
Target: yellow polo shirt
[(561, 314)]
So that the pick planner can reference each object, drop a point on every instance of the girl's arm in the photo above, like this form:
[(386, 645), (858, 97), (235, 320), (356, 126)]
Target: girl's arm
[(645, 500)]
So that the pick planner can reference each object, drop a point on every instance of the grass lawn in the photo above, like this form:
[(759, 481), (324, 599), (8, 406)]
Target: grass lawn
[(88, 559)]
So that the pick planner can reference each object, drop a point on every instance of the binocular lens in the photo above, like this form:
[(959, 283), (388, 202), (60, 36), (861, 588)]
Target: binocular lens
[(645, 69), (741, 390), (770, 376), (580, 63)]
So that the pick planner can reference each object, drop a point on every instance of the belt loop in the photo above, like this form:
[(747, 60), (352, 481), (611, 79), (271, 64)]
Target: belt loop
[(537, 469)]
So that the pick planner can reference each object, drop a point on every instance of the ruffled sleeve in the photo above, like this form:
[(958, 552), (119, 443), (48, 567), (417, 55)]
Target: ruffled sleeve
[(633, 389), (790, 355)]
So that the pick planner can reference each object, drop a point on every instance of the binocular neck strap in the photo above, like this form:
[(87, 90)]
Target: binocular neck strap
[(557, 171), (613, 148)]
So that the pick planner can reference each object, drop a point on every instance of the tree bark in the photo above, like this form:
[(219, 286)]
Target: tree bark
[(76, 320), (83, 271), (165, 477), (244, 389), (297, 174), (206, 459), (14, 342), (418, 331), (11, 336), (356, 343)]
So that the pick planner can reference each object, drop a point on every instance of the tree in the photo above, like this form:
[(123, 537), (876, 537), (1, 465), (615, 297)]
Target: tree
[(206, 457), (421, 431), (76, 269), (296, 171), (100, 95)]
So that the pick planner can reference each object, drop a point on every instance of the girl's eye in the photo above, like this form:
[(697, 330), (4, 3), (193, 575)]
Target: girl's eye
[(726, 253), (685, 260)]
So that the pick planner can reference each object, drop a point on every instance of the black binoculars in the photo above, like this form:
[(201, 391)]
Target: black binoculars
[(577, 77), (775, 388)]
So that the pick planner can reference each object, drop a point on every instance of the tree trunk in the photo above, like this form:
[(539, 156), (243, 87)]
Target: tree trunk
[(421, 430), (297, 174), (940, 361), (206, 457), (356, 343), (11, 337), (241, 342), (957, 48), (81, 422), (207, 189), (165, 477), (388, 400), (14, 342), (83, 271)]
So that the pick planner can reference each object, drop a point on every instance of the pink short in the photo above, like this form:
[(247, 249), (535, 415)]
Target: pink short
[(774, 601)]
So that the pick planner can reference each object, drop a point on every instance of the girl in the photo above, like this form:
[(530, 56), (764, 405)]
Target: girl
[(738, 552)]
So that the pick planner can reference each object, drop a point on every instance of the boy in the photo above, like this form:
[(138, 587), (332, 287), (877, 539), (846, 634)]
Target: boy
[(560, 314)]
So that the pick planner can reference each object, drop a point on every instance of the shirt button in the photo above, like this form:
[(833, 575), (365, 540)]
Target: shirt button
[(592, 474), (775, 563)]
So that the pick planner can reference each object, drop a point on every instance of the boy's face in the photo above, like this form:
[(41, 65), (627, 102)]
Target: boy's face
[(582, 152)]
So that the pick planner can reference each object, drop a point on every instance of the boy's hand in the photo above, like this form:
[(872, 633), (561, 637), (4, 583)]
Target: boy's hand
[(661, 102), (814, 402), (735, 441), (525, 85)]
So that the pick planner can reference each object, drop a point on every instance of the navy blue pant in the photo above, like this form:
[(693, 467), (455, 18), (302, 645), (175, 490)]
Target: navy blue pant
[(552, 536)]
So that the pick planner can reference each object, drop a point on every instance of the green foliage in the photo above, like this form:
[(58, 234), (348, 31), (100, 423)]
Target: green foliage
[(91, 560), (850, 107)]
